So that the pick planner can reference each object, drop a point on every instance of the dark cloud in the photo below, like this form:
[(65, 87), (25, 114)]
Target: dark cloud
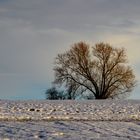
[(74, 14)]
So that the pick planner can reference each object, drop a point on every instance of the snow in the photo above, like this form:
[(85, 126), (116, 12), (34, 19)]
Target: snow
[(102, 110), (91, 119), (70, 130)]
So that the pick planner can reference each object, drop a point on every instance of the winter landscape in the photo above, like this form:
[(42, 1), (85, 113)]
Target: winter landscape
[(75, 120), (69, 69)]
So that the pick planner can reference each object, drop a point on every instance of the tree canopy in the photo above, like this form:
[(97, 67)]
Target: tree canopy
[(101, 70)]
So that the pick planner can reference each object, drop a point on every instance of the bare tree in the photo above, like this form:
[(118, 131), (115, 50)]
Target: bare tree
[(101, 70), (54, 94)]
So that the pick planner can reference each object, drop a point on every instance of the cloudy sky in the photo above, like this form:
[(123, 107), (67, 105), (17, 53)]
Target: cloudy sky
[(33, 32)]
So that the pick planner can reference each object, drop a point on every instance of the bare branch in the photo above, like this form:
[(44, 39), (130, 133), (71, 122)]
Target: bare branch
[(104, 72)]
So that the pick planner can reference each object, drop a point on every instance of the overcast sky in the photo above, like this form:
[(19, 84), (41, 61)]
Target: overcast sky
[(33, 32)]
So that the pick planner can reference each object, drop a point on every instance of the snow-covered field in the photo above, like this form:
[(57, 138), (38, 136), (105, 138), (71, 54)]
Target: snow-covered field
[(75, 120)]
